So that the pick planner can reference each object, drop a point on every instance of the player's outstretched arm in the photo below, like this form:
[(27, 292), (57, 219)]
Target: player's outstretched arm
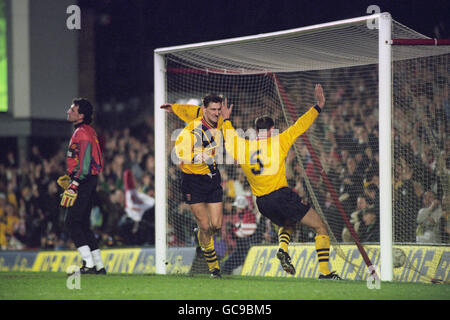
[(288, 137), (186, 112)]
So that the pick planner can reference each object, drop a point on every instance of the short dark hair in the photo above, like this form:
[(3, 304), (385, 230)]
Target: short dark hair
[(264, 123), (212, 98), (84, 107)]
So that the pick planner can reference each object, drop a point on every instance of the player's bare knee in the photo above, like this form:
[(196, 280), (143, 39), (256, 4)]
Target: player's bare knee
[(214, 229), (203, 227)]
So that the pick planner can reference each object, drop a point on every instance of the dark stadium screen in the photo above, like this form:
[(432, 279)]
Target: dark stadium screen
[(3, 60)]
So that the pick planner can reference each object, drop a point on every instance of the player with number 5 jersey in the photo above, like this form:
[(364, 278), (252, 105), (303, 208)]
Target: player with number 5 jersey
[(263, 159), (263, 162)]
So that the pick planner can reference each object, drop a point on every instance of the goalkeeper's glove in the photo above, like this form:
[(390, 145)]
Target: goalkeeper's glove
[(63, 181), (70, 195)]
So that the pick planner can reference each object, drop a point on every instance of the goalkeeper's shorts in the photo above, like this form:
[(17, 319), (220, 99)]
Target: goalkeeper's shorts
[(198, 188), (282, 206)]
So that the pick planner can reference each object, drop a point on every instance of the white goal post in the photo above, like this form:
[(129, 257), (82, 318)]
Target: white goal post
[(385, 150), (160, 166), (379, 53)]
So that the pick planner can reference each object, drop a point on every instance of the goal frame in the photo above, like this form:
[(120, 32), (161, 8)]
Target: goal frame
[(384, 25)]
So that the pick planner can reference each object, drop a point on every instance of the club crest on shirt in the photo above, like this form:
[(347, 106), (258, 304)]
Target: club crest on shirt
[(71, 152)]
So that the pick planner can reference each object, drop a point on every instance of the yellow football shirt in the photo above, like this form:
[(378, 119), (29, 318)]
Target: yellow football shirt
[(263, 159), (197, 137)]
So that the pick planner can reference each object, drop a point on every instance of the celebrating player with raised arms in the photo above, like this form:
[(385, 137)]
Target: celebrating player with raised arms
[(263, 162)]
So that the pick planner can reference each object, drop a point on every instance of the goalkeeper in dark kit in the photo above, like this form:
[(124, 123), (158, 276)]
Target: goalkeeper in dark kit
[(84, 164)]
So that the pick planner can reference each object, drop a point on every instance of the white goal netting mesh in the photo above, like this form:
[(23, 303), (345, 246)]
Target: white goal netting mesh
[(276, 76)]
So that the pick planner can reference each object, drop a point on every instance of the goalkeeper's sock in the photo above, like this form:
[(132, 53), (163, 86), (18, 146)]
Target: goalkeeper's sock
[(96, 255), (209, 253), (86, 256), (323, 252), (284, 237)]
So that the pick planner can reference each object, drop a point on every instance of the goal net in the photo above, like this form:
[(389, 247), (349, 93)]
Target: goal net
[(335, 165)]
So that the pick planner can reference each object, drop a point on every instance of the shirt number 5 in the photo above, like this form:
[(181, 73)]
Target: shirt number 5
[(254, 160)]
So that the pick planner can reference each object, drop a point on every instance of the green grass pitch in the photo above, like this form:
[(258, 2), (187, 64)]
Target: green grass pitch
[(53, 286)]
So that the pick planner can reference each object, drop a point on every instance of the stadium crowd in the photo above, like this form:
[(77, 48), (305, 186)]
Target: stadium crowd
[(30, 215)]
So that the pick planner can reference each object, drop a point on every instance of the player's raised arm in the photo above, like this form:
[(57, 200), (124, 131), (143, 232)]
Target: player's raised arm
[(234, 144), (318, 91), (288, 137)]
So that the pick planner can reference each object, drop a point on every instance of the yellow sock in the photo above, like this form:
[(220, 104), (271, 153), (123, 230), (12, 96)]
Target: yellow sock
[(284, 237), (323, 252), (209, 253)]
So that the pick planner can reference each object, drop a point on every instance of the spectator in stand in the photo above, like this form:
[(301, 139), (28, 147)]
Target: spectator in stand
[(12, 222), (3, 203), (369, 227), (372, 196), (334, 217), (351, 186), (36, 156), (356, 217), (34, 217), (428, 220), (183, 224), (334, 168), (226, 233), (147, 184), (405, 205), (120, 224), (49, 203), (243, 228)]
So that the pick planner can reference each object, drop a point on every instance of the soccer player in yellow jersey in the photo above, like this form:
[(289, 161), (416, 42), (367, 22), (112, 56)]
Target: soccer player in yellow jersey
[(263, 162), (196, 147)]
